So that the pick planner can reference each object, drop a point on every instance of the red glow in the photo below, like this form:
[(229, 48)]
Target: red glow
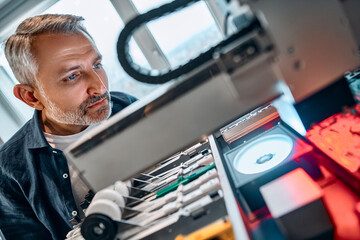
[(339, 137)]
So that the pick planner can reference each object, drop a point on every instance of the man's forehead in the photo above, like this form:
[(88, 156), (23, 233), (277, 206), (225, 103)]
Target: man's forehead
[(49, 48), (61, 43)]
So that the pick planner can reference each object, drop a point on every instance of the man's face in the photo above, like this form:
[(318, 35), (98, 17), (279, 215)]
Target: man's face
[(72, 84)]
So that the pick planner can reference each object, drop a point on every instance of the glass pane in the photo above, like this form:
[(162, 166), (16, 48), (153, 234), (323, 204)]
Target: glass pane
[(184, 34), (144, 6)]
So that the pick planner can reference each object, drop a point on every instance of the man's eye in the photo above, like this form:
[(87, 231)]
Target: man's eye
[(71, 77), (97, 66)]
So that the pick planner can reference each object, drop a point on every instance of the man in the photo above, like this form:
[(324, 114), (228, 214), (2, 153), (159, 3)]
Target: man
[(60, 73)]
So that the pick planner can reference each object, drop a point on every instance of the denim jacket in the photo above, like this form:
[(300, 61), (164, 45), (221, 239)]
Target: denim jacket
[(36, 200)]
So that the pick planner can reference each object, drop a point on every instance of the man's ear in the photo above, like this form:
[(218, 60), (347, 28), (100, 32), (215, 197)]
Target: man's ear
[(26, 94)]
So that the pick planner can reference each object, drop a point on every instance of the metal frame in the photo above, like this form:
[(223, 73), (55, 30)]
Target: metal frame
[(315, 42), (217, 13), (13, 12), (239, 228)]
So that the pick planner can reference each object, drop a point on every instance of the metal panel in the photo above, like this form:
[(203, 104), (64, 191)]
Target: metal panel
[(352, 8), (314, 39), (240, 231)]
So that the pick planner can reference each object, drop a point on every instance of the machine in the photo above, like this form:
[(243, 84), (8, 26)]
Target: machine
[(178, 155)]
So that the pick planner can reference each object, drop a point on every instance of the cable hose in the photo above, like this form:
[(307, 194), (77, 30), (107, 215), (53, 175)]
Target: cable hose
[(148, 76)]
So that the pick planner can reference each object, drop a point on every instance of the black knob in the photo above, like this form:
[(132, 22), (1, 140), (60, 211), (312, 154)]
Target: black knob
[(98, 226)]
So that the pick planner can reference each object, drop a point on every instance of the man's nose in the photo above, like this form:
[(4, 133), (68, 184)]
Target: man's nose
[(97, 83)]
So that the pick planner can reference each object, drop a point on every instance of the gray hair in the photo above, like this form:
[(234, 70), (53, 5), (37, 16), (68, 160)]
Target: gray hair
[(18, 46)]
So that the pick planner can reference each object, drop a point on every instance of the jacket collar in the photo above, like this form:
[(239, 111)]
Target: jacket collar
[(35, 136)]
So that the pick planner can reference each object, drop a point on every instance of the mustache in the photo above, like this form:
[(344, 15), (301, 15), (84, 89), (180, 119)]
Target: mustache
[(94, 99)]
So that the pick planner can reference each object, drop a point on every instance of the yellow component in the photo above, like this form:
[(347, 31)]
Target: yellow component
[(219, 230)]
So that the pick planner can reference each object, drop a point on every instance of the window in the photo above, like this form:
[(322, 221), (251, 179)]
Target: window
[(185, 34)]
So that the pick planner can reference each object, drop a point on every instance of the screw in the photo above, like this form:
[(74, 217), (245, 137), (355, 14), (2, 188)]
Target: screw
[(291, 50), (298, 65)]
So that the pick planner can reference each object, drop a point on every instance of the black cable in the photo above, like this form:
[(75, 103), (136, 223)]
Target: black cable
[(145, 75)]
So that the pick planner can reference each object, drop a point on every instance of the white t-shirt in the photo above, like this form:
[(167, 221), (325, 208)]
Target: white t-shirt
[(79, 187)]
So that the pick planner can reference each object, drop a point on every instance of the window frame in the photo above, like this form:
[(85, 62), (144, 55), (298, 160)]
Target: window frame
[(143, 37), (15, 11)]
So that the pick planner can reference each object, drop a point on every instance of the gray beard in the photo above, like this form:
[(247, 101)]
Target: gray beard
[(78, 116)]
